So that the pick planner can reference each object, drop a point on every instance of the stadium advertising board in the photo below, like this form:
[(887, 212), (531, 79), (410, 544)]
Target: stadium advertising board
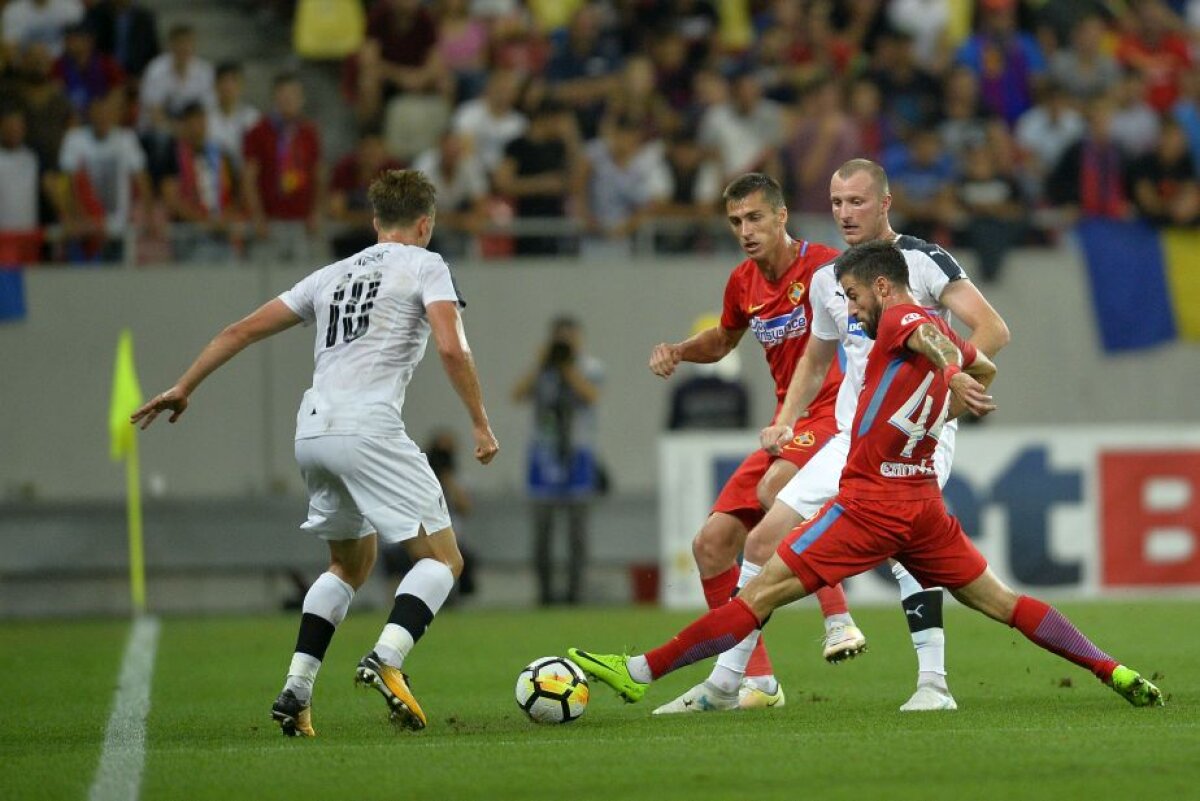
[(1060, 512)]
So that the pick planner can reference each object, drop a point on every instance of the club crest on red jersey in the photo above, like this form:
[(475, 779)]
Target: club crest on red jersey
[(796, 292), (803, 440)]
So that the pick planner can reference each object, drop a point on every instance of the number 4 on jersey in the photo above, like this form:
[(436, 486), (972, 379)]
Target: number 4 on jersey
[(911, 416), (354, 312)]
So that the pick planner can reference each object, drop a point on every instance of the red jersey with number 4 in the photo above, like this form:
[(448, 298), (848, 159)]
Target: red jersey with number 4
[(779, 315), (900, 414)]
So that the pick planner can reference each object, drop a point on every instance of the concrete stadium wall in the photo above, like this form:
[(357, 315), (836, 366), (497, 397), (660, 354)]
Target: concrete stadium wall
[(55, 369)]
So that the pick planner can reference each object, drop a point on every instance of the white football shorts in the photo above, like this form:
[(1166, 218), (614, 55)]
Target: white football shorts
[(360, 484), (817, 481)]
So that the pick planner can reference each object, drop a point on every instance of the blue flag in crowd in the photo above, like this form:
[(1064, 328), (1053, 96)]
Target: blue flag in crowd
[(1127, 265), (12, 295)]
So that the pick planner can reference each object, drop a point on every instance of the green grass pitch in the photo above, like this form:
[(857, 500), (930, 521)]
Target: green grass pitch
[(1029, 725)]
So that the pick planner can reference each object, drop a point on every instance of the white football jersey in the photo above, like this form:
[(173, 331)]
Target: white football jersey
[(930, 270), (371, 331)]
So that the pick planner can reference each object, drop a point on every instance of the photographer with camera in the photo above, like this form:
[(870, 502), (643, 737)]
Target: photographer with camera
[(563, 473)]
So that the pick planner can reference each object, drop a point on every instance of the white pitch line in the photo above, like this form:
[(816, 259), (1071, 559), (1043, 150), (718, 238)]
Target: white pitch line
[(119, 775)]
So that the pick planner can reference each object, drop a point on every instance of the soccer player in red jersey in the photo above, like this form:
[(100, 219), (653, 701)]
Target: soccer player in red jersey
[(888, 503), (766, 294)]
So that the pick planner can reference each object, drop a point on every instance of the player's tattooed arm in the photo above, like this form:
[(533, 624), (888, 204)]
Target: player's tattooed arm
[(968, 383)]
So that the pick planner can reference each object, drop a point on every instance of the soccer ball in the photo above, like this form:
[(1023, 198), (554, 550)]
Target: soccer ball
[(552, 690)]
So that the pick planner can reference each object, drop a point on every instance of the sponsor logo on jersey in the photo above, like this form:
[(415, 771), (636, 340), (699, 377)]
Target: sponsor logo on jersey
[(854, 327), (805, 439), (796, 292), (772, 331), (911, 317), (906, 470)]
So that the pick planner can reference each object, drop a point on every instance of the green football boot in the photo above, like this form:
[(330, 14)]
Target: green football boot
[(611, 669), (1130, 685)]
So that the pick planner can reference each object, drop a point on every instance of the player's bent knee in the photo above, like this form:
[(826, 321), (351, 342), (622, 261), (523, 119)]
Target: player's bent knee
[(717, 544)]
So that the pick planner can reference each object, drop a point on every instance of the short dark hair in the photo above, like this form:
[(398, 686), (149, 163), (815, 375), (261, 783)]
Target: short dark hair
[(877, 173), (401, 197), (284, 78), (868, 261), (746, 185), (228, 68), (179, 31)]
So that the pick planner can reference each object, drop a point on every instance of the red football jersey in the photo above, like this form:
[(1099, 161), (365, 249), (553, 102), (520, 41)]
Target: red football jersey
[(779, 315), (900, 414)]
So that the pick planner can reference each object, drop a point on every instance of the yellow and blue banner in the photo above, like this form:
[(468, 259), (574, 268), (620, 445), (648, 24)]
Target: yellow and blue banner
[(1145, 282)]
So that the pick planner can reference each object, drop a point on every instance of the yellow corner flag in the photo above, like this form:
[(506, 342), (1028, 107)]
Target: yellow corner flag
[(126, 398)]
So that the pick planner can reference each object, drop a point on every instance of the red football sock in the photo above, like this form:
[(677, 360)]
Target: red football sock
[(1049, 628), (719, 588), (718, 630), (832, 600), (760, 662)]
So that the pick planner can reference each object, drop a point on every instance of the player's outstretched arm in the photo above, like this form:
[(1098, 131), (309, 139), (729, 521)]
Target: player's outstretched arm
[(270, 318), (989, 332), (460, 368), (805, 384), (967, 388), (708, 346)]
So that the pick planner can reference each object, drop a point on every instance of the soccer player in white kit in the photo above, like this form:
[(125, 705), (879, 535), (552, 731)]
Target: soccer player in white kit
[(860, 201), (366, 478)]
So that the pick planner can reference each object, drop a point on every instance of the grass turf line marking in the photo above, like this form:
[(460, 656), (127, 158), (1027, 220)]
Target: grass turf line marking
[(119, 774)]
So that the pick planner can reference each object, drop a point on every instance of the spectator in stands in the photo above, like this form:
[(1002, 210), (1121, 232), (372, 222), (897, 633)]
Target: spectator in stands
[(1090, 178), (1187, 110), (201, 187), (21, 177), (1153, 46), (1135, 124), (1165, 190), (562, 387), (696, 22), (126, 31), (744, 133), (990, 210), (911, 95), (823, 138), (673, 78), (490, 122), (282, 173), (963, 124), (536, 173), (47, 110), (1086, 70), (461, 181), (622, 175), (173, 80), (635, 97), (26, 23), (399, 55), (349, 206), (922, 183), (1058, 21), (693, 187), (104, 164), (462, 46), (230, 118), (926, 22), (818, 49), (1008, 61), (583, 67), (85, 73), (1043, 134), (875, 133)]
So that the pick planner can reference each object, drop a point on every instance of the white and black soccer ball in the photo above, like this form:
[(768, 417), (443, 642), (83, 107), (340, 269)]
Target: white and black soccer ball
[(552, 690)]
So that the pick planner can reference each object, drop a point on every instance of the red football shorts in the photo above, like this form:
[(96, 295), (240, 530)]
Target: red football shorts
[(849, 537), (739, 496)]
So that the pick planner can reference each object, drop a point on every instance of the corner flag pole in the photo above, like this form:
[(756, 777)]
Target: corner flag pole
[(126, 398)]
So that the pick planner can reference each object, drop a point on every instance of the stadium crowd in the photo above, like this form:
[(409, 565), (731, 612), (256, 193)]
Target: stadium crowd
[(594, 128)]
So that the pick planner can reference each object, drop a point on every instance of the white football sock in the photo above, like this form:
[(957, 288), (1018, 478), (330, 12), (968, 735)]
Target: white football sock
[(731, 665)]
